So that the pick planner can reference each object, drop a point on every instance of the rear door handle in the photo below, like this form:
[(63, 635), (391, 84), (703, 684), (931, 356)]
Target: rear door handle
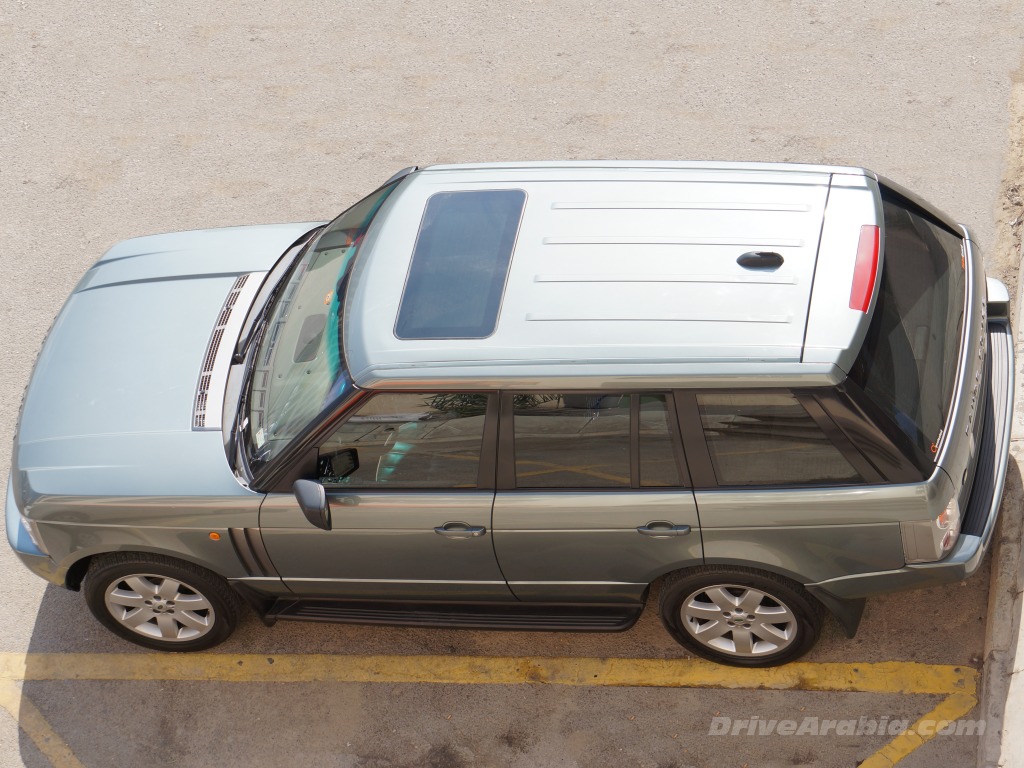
[(760, 260), (457, 530), (662, 529)]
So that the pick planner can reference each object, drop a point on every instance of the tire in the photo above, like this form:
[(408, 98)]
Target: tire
[(159, 602), (779, 622)]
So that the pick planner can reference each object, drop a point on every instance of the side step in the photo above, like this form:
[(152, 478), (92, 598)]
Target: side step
[(500, 616)]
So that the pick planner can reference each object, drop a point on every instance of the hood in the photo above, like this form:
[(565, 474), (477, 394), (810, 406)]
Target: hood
[(117, 375), (198, 254)]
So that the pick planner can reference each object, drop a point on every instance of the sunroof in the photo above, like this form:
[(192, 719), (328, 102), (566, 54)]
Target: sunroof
[(459, 265)]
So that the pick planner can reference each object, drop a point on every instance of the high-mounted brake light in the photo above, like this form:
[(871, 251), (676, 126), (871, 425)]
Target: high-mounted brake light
[(866, 268)]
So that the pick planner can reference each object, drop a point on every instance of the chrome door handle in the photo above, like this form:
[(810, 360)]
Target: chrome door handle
[(662, 529), (460, 530)]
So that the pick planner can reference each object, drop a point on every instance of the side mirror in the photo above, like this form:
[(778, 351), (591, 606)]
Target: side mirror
[(312, 500), (335, 467)]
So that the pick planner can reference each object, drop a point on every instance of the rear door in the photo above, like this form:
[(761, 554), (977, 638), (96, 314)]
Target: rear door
[(781, 487), (593, 500)]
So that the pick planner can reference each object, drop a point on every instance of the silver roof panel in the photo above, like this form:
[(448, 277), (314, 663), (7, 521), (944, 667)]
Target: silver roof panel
[(631, 268)]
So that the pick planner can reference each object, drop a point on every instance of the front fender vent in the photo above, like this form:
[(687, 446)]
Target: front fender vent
[(200, 410)]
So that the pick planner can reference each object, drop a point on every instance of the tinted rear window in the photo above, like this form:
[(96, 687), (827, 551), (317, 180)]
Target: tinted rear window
[(769, 439), (459, 265), (908, 364)]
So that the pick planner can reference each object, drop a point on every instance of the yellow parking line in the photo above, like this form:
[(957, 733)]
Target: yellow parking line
[(31, 720), (883, 677), (949, 710), (957, 683), (581, 469)]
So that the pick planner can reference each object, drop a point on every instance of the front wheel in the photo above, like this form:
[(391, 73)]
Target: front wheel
[(740, 616), (160, 603)]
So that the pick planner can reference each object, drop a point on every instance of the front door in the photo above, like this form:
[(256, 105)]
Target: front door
[(413, 521)]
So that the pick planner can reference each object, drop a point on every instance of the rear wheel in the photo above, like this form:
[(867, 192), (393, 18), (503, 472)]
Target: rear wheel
[(740, 616), (159, 602)]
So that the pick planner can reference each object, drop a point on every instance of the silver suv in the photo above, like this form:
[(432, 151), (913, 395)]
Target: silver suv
[(517, 396)]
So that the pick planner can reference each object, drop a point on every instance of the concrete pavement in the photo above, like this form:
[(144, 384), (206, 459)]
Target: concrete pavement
[(125, 119)]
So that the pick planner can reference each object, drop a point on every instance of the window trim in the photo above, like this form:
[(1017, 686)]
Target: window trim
[(698, 455), (634, 440)]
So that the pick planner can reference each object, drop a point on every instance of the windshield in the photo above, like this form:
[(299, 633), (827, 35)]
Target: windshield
[(298, 368)]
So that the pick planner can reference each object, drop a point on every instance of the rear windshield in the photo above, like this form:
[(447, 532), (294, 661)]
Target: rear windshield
[(908, 365), (459, 265)]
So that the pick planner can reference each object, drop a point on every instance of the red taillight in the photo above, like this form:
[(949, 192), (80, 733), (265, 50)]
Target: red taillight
[(865, 269)]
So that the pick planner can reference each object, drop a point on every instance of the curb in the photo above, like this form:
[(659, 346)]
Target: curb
[(1002, 684)]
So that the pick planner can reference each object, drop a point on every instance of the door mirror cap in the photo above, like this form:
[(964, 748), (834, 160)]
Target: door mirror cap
[(312, 500)]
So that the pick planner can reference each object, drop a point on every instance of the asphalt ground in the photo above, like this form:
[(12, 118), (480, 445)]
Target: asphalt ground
[(119, 119)]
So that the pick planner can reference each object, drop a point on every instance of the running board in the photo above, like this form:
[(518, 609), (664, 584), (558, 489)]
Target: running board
[(500, 616)]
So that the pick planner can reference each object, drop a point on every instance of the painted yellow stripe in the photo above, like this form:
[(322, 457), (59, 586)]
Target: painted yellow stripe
[(957, 683), (884, 677), (950, 709), (31, 720), (582, 469)]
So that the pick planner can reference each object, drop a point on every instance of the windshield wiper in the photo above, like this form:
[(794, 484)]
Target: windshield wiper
[(268, 294)]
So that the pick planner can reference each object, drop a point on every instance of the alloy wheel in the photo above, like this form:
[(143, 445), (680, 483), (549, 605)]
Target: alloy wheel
[(738, 620), (159, 607)]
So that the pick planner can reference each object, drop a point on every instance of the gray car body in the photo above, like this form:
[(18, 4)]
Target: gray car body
[(109, 456)]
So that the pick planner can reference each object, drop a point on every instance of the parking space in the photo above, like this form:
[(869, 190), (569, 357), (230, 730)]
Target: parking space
[(376, 697), (154, 118), (336, 724), (309, 680)]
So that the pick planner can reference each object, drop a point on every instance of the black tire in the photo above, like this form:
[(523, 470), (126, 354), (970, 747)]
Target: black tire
[(204, 615), (744, 643)]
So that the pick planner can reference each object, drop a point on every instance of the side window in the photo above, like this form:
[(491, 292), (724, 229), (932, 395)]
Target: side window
[(768, 439), (659, 463), (407, 441), (597, 440)]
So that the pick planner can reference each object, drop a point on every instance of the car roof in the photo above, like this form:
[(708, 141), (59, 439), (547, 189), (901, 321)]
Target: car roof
[(626, 274), (571, 166)]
